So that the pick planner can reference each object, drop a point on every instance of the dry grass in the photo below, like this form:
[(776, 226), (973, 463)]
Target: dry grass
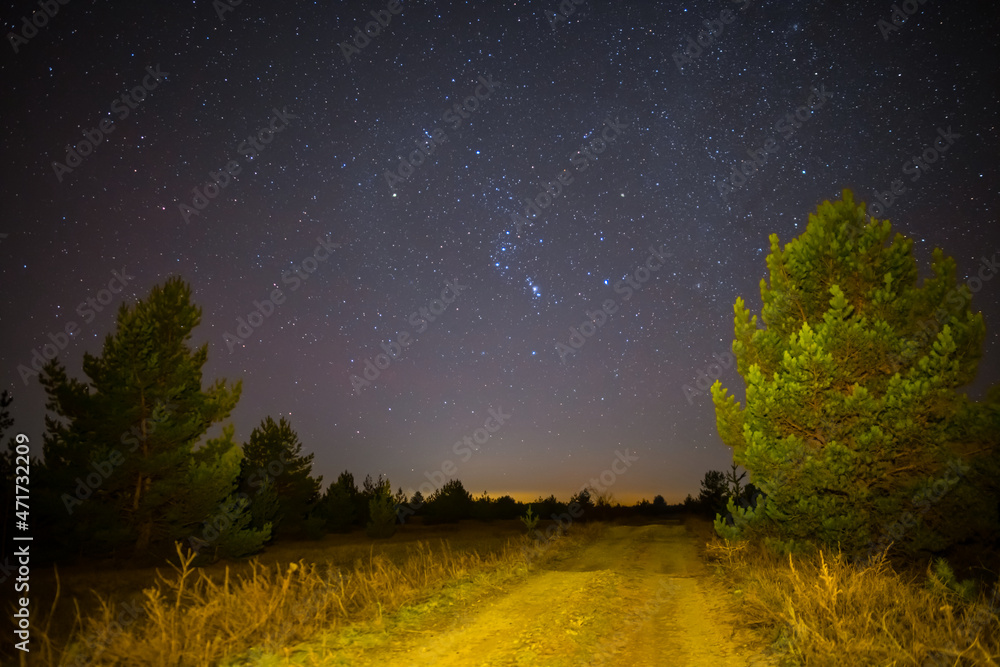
[(198, 616), (822, 610)]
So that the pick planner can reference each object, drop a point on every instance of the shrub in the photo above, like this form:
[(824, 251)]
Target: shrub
[(825, 610), (382, 510), (529, 520)]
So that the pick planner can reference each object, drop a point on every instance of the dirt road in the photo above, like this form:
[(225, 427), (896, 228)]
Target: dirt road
[(639, 596)]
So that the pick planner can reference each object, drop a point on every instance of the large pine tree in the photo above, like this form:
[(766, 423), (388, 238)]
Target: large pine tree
[(122, 461), (853, 428)]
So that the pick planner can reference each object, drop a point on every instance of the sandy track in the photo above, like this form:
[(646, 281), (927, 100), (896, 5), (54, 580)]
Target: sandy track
[(638, 596)]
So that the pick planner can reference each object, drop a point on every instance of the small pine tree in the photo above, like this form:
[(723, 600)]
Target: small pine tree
[(263, 505), (274, 454), (369, 489), (382, 511), (338, 505), (584, 505), (530, 521), (712, 495)]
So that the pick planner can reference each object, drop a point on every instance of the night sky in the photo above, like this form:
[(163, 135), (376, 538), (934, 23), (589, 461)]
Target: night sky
[(621, 144)]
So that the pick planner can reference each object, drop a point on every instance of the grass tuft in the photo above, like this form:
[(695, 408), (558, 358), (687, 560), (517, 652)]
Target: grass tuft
[(821, 609)]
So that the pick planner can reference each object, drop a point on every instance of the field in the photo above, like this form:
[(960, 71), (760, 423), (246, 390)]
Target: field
[(442, 595), (663, 592), (86, 591)]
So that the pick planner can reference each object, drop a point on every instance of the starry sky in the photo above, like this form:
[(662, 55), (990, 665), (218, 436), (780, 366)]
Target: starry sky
[(366, 178)]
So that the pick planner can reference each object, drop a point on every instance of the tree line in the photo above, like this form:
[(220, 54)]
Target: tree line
[(854, 432), (138, 456)]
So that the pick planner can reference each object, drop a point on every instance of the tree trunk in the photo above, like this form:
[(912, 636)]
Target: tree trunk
[(145, 534)]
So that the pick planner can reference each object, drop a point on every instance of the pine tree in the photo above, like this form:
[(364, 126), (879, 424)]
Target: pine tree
[(381, 509), (274, 454), (449, 504), (338, 504), (584, 501), (713, 492), (852, 420), (370, 489), (121, 457), (659, 505), (227, 530)]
